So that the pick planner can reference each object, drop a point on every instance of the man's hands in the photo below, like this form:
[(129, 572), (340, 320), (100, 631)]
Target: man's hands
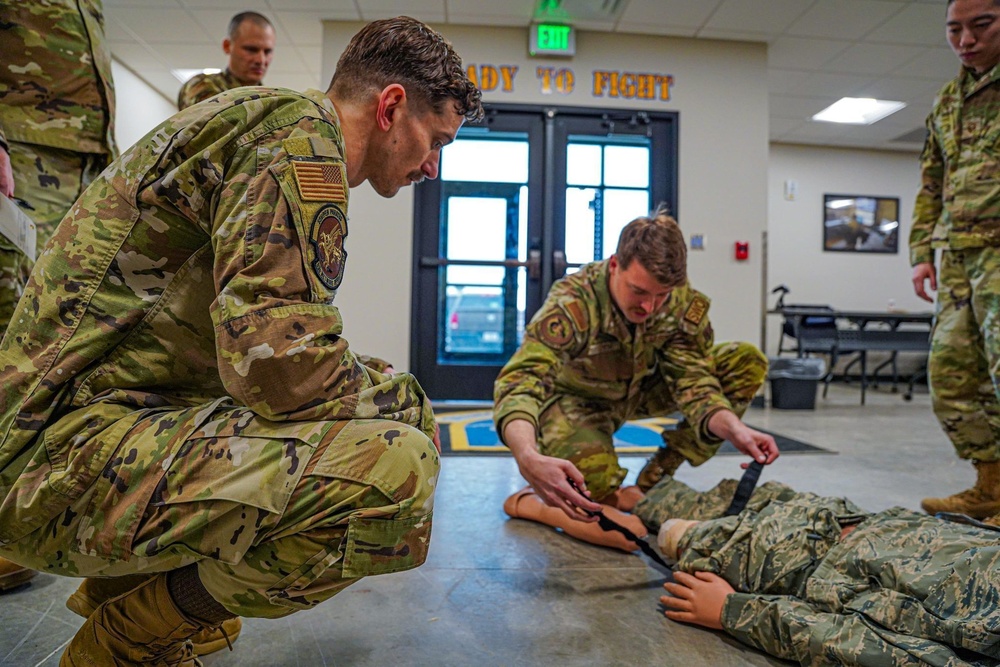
[(548, 476), (922, 273), (696, 599), (759, 446), (6, 175)]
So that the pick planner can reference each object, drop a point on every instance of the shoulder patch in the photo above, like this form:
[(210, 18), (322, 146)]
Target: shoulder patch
[(695, 312), (323, 147), (320, 181), (556, 330), (326, 236), (578, 313)]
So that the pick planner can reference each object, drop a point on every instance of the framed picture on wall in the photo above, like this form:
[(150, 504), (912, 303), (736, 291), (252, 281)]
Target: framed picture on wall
[(860, 223)]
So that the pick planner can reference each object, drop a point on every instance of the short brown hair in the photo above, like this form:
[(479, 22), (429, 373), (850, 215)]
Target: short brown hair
[(658, 244), (405, 51), (258, 20)]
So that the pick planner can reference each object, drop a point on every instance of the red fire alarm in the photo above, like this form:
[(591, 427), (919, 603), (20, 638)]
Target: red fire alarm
[(742, 250)]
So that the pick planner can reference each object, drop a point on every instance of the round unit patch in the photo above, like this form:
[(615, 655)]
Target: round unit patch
[(556, 330), (329, 229)]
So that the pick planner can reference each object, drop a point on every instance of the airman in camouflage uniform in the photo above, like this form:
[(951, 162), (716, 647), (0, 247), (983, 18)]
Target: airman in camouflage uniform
[(957, 211), (820, 581), (250, 47), (176, 392), (57, 107), (624, 338)]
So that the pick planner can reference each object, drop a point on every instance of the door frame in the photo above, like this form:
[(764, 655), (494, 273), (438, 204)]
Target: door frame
[(546, 126)]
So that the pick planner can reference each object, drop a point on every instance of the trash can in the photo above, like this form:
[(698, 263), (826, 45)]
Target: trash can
[(794, 382)]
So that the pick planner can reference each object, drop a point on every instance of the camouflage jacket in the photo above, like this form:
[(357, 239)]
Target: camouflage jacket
[(902, 588), (55, 76), (202, 86), (958, 204), (579, 343), (200, 267)]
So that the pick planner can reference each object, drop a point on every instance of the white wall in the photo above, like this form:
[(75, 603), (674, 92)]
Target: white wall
[(720, 92), (849, 281), (140, 107)]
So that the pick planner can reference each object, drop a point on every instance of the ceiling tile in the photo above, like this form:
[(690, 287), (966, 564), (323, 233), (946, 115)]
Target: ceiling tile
[(520, 9), (873, 58), (802, 53), (801, 108), (135, 56), (902, 89), (733, 35), (232, 6), (491, 19), (938, 64), (665, 30), (824, 83), (306, 28), (669, 13), (781, 81), (150, 25), (431, 11), (843, 19), (191, 56), (770, 17), (330, 9), (918, 23), (151, 4)]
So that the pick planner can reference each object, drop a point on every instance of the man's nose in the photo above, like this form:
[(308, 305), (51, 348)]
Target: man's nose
[(430, 167)]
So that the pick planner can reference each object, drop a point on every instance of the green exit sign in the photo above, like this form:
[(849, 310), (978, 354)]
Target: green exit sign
[(546, 39)]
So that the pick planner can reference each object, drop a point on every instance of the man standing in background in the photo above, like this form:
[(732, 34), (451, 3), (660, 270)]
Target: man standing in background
[(958, 211), (250, 47), (57, 107)]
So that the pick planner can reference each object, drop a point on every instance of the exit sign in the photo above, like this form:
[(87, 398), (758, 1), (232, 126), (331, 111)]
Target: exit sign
[(546, 39)]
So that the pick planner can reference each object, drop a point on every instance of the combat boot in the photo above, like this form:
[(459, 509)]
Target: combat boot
[(664, 462), (141, 627), (93, 591), (13, 575), (979, 502)]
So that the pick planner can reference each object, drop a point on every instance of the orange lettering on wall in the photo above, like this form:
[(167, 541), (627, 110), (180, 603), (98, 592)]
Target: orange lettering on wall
[(632, 85)]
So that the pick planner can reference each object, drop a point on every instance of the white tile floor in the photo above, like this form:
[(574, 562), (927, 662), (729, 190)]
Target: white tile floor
[(505, 592)]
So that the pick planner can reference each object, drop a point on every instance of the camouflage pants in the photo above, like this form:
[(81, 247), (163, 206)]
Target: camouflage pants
[(964, 364), (902, 589), (673, 499), (47, 181), (581, 429), (278, 516)]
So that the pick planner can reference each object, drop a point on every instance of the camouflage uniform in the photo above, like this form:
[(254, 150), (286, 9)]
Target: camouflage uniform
[(958, 211), (202, 86), (175, 386), (583, 370), (57, 108), (900, 589)]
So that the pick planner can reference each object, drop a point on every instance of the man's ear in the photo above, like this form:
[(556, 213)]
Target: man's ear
[(390, 101), (227, 46)]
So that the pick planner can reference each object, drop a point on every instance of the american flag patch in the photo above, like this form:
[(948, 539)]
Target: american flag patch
[(320, 181)]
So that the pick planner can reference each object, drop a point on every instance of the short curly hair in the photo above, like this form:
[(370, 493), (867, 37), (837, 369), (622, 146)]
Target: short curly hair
[(658, 244), (406, 51)]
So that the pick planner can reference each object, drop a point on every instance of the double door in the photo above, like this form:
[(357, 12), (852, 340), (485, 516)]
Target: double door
[(522, 199)]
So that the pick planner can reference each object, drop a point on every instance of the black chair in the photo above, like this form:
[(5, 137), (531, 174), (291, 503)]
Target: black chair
[(814, 333)]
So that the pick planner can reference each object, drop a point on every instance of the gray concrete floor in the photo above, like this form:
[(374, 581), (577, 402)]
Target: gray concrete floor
[(496, 591)]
